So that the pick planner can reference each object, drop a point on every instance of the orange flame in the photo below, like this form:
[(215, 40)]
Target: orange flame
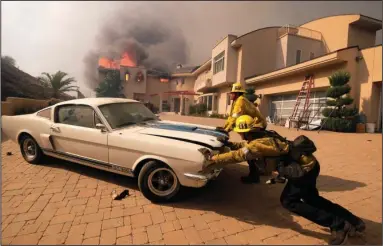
[(126, 60)]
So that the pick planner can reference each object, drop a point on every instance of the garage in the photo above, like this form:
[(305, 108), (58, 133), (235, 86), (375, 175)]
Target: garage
[(282, 106)]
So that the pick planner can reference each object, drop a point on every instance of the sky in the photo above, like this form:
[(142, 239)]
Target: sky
[(51, 36)]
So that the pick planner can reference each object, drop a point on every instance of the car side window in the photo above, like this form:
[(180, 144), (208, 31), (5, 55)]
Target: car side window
[(46, 113), (96, 119), (76, 115)]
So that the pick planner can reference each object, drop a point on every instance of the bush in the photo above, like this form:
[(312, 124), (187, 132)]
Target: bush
[(340, 125), (339, 117), (22, 111), (219, 116), (198, 109), (250, 95)]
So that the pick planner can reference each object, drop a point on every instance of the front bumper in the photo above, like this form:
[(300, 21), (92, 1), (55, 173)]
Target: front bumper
[(200, 180)]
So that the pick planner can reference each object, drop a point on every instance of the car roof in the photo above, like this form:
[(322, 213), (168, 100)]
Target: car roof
[(96, 101)]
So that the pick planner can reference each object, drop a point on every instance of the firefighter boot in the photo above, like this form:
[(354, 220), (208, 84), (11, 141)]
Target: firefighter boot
[(339, 237), (358, 228)]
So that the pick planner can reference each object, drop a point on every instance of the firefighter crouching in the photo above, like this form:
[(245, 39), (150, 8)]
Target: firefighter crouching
[(242, 106), (300, 167)]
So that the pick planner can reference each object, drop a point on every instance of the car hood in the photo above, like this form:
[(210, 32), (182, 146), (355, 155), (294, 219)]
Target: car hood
[(205, 136)]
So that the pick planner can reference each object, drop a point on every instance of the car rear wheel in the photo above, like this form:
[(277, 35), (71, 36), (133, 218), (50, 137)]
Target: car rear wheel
[(30, 149), (158, 182)]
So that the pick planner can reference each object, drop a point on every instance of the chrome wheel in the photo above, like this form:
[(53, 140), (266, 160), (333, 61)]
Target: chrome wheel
[(162, 182), (30, 149)]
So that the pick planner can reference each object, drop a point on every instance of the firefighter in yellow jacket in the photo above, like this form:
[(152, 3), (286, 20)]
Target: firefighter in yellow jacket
[(256, 145), (301, 169), (242, 106)]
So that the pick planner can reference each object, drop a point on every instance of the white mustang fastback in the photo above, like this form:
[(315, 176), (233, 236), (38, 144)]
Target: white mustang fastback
[(120, 136)]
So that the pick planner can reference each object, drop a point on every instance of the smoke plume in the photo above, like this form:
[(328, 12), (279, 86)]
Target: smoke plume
[(146, 34)]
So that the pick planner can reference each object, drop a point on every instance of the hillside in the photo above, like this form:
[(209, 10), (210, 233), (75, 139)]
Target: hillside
[(16, 83)]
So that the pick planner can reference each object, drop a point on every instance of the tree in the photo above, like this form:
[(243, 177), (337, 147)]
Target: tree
[(58, 82), (250, 95), (9, 60), (339, 117), (111, 86)]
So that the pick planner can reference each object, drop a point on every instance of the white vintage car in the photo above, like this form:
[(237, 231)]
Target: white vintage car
[(120, 136)]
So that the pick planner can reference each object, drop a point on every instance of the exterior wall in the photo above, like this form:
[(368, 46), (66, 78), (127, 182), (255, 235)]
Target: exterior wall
[(187, 85), (230, 68), (281, 50), (259, 52), (370, 77), (154, 86), (334, 29), (223, 108), (365, 82), (201, 83), (132, 86), (306, 45), (361, 37)]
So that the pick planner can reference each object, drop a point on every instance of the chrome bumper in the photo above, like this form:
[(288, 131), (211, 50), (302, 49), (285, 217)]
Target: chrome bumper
[(202, 179)]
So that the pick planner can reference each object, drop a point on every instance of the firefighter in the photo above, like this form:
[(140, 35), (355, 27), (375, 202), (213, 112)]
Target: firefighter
[(256, 145), (300, 195), (242, 106)]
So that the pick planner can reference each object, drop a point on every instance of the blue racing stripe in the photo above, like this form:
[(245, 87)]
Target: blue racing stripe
[(185, 128)]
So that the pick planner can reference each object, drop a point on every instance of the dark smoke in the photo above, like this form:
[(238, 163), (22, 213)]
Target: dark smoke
[(145, 33)]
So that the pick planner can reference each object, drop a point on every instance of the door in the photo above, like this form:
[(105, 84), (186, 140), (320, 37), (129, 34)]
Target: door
[(74, 133), (177, 105), (282, 106)]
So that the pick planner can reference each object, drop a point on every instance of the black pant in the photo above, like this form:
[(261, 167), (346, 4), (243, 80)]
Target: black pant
[(314, 207), (253, 169)]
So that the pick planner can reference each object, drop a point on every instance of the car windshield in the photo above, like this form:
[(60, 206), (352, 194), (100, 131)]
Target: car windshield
[(124, 114)]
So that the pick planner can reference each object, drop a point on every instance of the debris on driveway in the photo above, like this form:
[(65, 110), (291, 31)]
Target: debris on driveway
[(120, 196)]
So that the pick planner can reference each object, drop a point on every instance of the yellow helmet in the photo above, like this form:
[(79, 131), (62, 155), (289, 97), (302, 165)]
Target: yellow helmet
[(237, 87), (244, 123)]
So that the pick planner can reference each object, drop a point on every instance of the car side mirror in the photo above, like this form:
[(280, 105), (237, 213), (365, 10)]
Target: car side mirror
[(101, 127)]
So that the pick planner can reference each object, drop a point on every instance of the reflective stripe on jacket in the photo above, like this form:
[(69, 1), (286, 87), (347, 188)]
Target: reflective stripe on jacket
[(242, 106), (262, 147)]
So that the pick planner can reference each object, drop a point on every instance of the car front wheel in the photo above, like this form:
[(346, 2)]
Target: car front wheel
[(30, 149), (158, 182)]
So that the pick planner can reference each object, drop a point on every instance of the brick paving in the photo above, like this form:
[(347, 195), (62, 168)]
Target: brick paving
[(59, 202)]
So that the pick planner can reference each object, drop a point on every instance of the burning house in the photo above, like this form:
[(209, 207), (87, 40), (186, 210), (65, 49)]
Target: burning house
[(164, 91)]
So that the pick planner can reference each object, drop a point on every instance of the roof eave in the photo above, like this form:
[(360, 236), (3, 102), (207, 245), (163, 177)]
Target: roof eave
[(331, 59)]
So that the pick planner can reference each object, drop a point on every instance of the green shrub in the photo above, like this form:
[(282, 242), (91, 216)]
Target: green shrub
[(339, 117), (198, 109), (216, 115), (340, 125), (250, 95), (22, 111)]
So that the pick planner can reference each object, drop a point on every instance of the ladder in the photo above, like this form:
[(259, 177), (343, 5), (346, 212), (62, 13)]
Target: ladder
[(304, 93)]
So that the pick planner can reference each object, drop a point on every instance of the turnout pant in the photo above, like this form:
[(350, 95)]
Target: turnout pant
[(253, 169), (302, 198)]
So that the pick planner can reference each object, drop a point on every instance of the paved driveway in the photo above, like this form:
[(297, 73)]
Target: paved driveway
[(60, 202)]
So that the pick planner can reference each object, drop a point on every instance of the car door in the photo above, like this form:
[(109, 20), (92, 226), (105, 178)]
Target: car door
[(74, 133)]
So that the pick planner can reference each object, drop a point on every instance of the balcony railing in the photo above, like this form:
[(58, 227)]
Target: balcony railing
[(203, 81), (299, 31)]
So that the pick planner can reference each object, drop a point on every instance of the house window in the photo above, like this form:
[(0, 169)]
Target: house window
[(298, 57), (311, 55), (219, 62)]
